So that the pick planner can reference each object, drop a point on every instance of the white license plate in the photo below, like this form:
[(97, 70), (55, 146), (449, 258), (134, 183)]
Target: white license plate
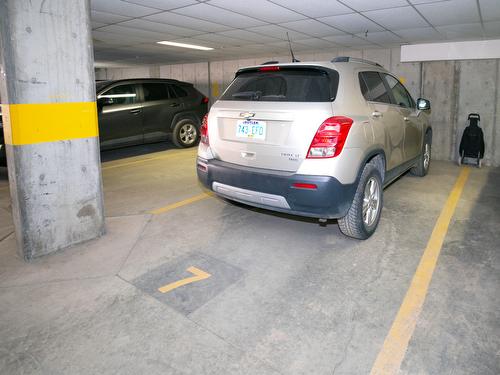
[(251, 129)]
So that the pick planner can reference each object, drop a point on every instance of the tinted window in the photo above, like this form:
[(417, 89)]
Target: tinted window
[(179, 91), (399, 93), (289, 85), (374, 89), (123, 94), (155, 91)]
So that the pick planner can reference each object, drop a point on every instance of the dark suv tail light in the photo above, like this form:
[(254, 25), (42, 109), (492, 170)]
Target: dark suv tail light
[(204, 130), (204, 100), (330, 138)]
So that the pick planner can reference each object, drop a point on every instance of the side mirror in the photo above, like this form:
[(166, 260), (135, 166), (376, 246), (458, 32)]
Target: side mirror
[(103, 101), (423, 104)]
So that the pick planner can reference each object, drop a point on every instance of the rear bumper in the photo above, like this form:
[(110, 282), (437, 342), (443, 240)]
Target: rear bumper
[(273, 190)]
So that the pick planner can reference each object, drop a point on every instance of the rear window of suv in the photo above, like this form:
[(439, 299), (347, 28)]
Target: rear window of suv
[(283, 85)]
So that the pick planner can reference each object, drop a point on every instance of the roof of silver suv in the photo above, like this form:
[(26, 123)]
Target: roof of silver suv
[(341, 62)]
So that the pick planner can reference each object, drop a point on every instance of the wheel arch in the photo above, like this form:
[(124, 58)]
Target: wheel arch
[(377, 158), (193, 116)]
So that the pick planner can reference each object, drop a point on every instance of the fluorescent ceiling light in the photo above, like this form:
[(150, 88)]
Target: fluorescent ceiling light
[(185, 45)]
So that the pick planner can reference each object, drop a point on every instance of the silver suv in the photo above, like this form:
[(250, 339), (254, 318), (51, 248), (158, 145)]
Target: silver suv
[(314, 139)]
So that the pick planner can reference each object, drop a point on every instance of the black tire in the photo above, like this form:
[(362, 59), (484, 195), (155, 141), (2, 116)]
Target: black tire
[(422, 167), (186, 133), (354, 224)]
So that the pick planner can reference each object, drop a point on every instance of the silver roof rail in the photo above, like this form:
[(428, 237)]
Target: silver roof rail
[(354, 59)]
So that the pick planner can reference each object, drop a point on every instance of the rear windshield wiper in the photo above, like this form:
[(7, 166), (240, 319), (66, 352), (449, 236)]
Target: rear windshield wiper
[(273, 97), (252, 95)]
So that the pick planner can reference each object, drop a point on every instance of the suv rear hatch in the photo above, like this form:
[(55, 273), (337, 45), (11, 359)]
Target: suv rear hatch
[(268, 115)]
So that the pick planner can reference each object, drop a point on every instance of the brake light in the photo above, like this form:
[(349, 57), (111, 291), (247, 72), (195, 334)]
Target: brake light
[(269, 68), (303, 185), (204, 130), (204, 100), (330, 138)]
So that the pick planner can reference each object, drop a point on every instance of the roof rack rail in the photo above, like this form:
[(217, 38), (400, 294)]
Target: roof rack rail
[(354, 59), (270, 62)]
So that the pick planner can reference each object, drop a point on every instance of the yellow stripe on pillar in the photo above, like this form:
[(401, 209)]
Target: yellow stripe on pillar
[(26, 124)]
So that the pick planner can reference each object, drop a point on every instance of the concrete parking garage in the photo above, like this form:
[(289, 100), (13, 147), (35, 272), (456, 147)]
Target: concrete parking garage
[(184, 282)]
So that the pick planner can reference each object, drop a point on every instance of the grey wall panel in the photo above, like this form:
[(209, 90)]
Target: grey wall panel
[(496, 133), (217, 78), (408, 73), (439, 88), (229, 68), (201, 78), (477, 91), (381, 56)]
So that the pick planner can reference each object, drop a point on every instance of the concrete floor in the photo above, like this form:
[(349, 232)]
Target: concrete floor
[(285, 295)]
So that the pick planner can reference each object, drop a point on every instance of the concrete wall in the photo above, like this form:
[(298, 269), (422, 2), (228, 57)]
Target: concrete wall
[(455, 88)]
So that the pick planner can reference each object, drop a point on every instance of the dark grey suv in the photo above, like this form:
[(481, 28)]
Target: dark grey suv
[(135, 111)]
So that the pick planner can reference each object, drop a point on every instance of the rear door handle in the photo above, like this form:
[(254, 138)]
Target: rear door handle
[(377, 114), (135, 111), (174, 105)]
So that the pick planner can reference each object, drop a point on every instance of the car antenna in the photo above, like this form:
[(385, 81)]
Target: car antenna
[(291, 51)]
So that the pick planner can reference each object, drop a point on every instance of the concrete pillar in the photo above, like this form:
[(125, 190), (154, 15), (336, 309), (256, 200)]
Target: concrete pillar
[(50, 123)]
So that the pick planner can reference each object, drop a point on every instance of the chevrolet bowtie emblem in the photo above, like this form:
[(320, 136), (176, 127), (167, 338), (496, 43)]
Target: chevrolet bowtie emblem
[(247, 114)]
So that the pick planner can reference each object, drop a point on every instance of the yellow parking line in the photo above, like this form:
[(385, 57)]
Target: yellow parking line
[(391, 355), (166, 156), (184, 202)]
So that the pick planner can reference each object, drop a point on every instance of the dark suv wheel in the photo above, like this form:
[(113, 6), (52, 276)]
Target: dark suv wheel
[(186, 133)]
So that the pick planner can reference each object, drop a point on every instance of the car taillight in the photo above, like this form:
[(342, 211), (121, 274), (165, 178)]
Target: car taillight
[(204, 130), (204, 100), (330, 138), (304, 185), (269, 68)]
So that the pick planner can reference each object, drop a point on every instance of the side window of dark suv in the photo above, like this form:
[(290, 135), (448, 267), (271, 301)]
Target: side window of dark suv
[(155, 91), (122, 94), (373, 88)]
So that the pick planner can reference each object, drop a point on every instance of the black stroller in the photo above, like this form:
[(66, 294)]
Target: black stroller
[(472, 144)]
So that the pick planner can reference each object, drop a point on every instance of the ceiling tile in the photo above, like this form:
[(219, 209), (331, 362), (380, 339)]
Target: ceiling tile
[(279, 46), (116, 39), (278, 32), (104, 17), (187, 22), (425, 1), (159, 27), (351, 23), (348, 40), (397, 18), (382, 37), (490, 10), (421, 34), (164, 4), (316, 43), (126, 32), (492, 29), (463, 31), (248, 35), (218, 15), (221, 40), (450, 12), (260, 9), (311, 27), (315, 8), (95, 25), (363, 5), (121, 7)]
